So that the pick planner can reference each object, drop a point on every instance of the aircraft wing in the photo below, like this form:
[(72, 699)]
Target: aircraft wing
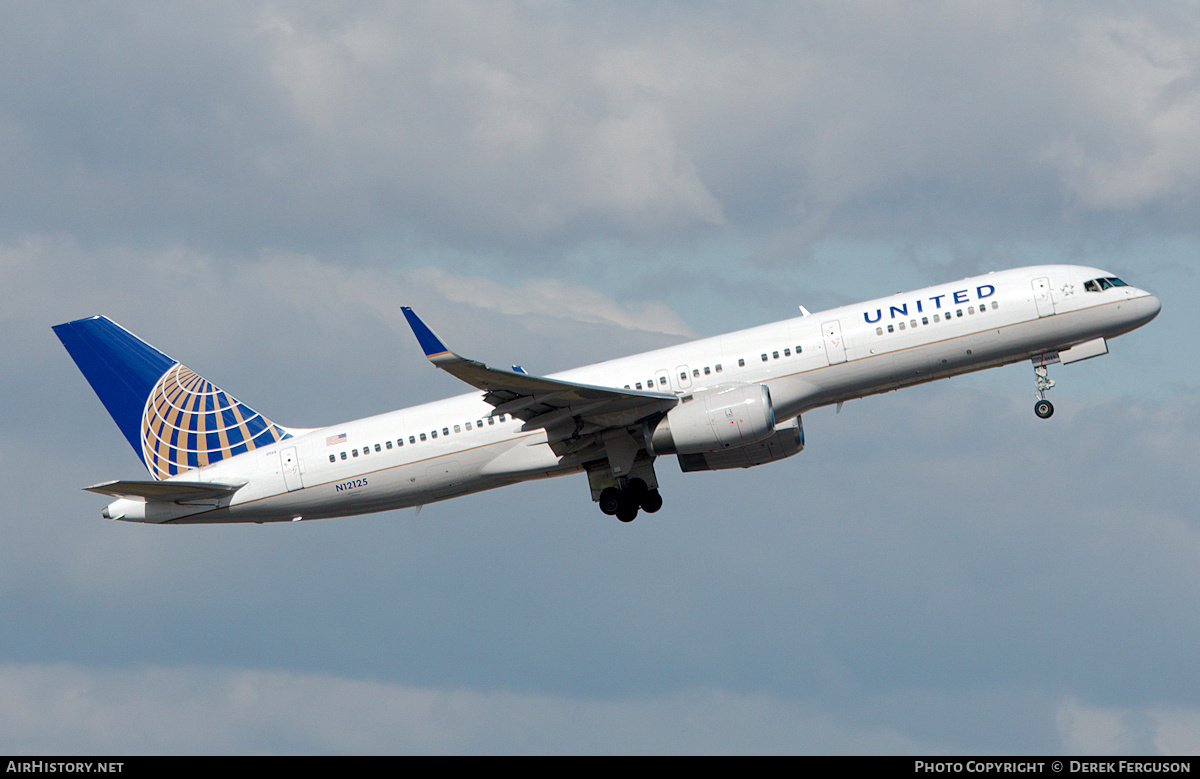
[(166, 491), (563, 408)]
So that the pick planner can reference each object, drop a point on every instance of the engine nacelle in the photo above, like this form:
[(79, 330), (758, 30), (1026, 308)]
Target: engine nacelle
[(785, 442), (724, 417)]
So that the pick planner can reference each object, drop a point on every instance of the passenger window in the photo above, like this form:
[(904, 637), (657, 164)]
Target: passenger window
[(958, 313), (433, 434), (399, 442), (662, 380), (798, 349), (457, 429), (354, 453), (787, 352), (718, 369), (924, 320), (775, 355), (891, 329), (491, 420), (995, 305), (683, 375), (901, 325), (332, 458), (388, 444), (377, 448), (696, 372), (343, 455), (879, 331), (445, 431), (741, 363), (412, 440), (764, 357), (639, 385), (423, 436)]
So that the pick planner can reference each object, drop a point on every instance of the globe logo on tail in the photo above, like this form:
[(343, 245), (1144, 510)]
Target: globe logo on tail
[(189, 423)]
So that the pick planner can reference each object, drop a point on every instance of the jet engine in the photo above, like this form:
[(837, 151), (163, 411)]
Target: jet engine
[(725, 417), (785, 442)]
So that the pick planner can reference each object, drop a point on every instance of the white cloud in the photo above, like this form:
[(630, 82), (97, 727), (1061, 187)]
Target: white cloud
[(1088, 730), (521, 127), (1176, 731), (57, 709), (70, 709), (1109, 730), (1131, 135), (486, 111), (556, 299)]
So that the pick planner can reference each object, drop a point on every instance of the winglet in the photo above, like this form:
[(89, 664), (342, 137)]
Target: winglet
[(430, 343)]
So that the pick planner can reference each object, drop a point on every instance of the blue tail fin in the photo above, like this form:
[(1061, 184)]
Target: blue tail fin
[(174, 419)]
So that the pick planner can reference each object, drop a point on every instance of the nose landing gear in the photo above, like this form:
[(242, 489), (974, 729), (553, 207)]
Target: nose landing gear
[(1043, 408)]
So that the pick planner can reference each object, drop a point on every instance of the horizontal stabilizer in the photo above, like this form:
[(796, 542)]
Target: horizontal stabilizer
[(165, 491)]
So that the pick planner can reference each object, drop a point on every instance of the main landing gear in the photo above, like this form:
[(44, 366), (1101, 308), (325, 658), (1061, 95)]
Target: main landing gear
[(624, 501), (1043, 408)]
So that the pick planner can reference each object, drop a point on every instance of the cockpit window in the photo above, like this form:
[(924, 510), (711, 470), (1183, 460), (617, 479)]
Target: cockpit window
[(1096, 285)]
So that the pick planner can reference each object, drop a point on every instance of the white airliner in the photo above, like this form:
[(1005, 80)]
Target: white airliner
[(731, 401)]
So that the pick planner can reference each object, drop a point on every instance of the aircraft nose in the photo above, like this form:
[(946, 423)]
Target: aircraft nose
[(1148, 307)]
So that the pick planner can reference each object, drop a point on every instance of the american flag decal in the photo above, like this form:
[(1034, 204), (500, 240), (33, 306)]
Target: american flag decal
[(340, 438)]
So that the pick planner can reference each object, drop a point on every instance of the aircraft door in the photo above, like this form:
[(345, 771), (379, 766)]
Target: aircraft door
[(289, 463), (835, 346), (685, 377), (1041, 297)]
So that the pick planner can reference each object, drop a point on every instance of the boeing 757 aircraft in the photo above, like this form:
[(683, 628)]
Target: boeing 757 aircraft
[(731, 401)]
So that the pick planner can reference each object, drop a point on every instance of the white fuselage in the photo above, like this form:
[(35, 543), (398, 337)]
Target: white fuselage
[(438, 450)]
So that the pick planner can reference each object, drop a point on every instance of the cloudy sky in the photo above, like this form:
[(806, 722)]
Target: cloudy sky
[(256, 189)]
